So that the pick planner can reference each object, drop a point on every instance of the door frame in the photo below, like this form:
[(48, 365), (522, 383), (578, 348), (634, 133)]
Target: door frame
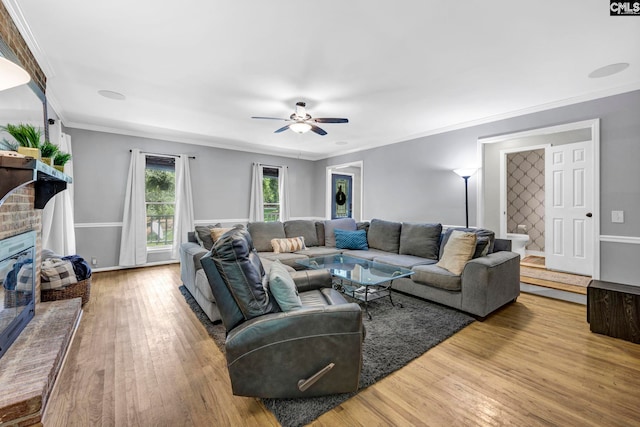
[(328, 192), (594, 126)]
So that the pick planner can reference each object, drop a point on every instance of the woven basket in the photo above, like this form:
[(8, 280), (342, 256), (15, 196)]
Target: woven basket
[(82, 289), (13, 298)]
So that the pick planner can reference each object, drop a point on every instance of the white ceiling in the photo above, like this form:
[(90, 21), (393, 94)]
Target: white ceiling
[(197, 70)]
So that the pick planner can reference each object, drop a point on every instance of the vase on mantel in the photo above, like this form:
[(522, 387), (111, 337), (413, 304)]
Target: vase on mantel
[(30, 152)]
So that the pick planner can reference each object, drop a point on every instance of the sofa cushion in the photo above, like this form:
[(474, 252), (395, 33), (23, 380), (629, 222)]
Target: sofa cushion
[(437, 277), (317, 251), (422, 240), (384, 235), (304, 228), (283, 288), (320, 233), (290, 244), (203, 235), (458, 251), (369, 254), (241, 270), (406, 261), (263, 232), (331, 224), (351, 239)]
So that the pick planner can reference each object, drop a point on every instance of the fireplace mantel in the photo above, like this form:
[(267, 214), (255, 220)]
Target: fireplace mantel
[(16, 172)]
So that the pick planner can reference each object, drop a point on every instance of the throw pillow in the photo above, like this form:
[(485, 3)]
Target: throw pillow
[(482, 247), (203, 235), (351, 239), (458, 250), (332, 224), (283, 288), (291, 244), (216, 233)]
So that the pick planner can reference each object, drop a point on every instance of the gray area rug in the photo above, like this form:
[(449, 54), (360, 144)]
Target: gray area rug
[(395, 336)]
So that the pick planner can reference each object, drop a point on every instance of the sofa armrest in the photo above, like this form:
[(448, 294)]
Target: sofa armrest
[(190, 254), (295, 345), (307, 280), (490, 282)]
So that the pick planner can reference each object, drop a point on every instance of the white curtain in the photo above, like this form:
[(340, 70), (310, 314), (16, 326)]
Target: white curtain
[(183, 217), (58, 232), (283, 190), (256, 206), (133, 243)]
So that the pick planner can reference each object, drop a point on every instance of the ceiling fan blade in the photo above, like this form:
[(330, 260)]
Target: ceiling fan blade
[(271, 118), (318, 130), (330, 120), (282, 129)]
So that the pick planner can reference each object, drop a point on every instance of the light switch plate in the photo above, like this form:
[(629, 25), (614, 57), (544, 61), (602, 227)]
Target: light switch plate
[(617, 216)]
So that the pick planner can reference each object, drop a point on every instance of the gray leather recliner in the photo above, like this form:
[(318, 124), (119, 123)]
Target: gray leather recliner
[(312, 351)]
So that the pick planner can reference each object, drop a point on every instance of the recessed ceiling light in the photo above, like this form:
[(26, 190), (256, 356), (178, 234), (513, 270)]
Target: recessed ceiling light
[(341, 143), (112, 95), (609, 70)]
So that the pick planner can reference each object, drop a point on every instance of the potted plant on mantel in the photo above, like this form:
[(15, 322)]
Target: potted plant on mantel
[(27, 139), (48, 150), (60, 159)]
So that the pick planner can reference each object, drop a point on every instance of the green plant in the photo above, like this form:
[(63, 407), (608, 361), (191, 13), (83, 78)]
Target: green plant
[(49, 149), (61, 158), (25, 135)]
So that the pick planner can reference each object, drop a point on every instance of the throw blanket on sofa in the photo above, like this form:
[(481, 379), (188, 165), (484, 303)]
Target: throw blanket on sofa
[(57, 273)]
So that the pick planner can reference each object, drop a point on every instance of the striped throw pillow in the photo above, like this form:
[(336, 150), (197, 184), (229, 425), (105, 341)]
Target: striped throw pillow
[(291, 244)]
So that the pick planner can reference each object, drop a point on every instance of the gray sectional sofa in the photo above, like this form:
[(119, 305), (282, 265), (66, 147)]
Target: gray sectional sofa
[(487, 282)]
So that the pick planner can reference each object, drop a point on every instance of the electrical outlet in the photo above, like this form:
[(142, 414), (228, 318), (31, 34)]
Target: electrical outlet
[(94, 261), (617, 216)]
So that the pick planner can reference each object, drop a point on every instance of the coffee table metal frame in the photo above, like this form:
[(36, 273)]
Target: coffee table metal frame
[(361, 279)]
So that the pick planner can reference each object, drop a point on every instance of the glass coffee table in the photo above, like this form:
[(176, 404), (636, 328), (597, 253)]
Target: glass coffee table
[(359, 278)]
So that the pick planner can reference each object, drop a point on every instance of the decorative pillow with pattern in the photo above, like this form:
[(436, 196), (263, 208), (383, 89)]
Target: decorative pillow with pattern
[(292, 244), (356, 240)]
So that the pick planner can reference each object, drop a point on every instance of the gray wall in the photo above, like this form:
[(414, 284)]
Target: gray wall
[(221, 181), (413, 180)]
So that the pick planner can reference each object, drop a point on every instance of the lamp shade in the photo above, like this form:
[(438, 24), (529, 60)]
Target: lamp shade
[(300, 127), (11, 74), (465, 172)]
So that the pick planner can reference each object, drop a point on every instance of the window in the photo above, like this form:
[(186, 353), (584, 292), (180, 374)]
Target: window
[(160, 200), (271, 194)]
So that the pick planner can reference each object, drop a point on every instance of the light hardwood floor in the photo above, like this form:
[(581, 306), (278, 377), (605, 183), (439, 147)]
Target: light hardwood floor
[(141, 358)]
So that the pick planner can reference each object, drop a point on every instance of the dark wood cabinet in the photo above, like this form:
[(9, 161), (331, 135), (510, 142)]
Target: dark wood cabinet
[(613, 309)]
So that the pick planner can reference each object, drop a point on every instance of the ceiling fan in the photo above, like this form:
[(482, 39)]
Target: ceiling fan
[(302, 122)]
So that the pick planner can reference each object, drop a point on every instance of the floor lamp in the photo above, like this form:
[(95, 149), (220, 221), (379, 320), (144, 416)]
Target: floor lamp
[(466, 174)]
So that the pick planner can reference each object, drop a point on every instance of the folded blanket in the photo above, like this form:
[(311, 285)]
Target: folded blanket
[(57, 273)]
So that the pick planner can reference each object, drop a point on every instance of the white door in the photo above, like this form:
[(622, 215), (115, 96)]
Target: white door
[(569, 228)]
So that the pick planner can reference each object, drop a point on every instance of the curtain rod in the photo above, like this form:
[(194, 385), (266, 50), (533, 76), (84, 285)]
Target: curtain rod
[(160, 154), (270, 166)]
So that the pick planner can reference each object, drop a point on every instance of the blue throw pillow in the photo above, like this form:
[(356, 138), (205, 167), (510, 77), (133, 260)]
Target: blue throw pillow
[(351, 239)]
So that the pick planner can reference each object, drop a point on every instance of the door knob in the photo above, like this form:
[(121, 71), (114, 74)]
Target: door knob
[(589, 214)]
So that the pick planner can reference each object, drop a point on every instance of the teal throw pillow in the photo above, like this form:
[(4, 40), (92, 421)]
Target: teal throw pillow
[(351, 239), (283, 288)]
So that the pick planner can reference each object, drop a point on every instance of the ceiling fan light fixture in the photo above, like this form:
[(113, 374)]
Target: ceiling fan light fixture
[(300, 127)]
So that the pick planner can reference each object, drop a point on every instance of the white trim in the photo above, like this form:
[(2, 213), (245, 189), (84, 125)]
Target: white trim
[(335, 168), (149, 264), (221, 221), (97, 224), (158, 249), (503, 181), (620, 239)]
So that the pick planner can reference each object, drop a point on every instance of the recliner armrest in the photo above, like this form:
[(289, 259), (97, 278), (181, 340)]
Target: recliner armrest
[(307, 280)]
